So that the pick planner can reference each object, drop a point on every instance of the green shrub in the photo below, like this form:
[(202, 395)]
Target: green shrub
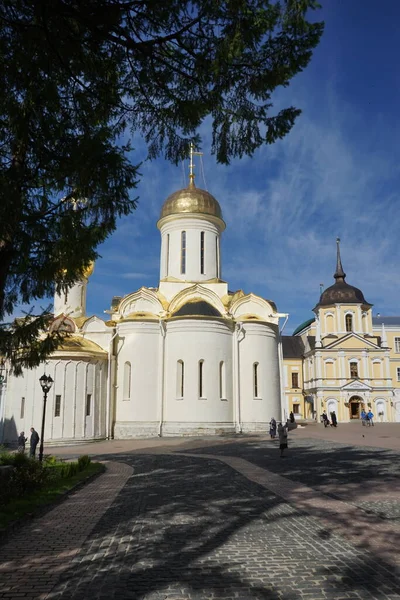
[(69, 470), (83, 462), (50, 460), (28, 476)]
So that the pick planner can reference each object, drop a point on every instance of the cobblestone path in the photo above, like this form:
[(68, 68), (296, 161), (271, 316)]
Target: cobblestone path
[(194, 528), (243, 526), (33, 558)]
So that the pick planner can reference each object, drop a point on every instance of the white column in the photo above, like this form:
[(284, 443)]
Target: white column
[(318, 332), (342, 369), (384, 342), (338, 323), (365, 364)]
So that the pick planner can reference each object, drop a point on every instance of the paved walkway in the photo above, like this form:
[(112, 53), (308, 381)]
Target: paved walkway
[(33, 559), (219, 519)]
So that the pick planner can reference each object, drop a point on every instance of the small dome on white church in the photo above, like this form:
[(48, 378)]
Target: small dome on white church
[(197, 308)]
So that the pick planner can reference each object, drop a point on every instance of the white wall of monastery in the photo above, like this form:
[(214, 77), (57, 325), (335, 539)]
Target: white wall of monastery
[(259, 345), (192, 341)]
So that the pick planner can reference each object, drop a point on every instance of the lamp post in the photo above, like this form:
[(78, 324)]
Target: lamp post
[(46, 382)]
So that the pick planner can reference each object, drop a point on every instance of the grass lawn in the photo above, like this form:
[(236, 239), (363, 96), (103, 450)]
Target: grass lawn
[(50, 494)]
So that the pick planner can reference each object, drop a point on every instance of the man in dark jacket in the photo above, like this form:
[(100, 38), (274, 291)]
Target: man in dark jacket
[(34, 442)]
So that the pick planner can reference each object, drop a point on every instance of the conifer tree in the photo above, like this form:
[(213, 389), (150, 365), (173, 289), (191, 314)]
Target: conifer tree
[(78, 79)]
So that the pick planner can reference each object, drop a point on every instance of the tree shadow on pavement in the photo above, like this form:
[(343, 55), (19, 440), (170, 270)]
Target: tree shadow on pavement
[(194, 528), (335, 469)]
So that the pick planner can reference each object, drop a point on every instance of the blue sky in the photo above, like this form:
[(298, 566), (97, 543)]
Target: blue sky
[(336, 173)]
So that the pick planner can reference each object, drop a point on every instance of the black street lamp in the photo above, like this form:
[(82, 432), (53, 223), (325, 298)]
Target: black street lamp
[(46, 382)]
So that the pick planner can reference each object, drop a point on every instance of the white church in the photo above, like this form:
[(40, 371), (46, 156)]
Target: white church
[(189, 357)]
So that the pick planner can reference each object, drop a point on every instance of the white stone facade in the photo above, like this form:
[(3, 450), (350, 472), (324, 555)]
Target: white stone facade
[(186, 358)]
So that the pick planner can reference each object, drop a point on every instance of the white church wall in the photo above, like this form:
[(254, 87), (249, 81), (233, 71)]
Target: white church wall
[(97, 331), (192, 341), (138, 344), (73, 380), (170, 263), (259, 346)]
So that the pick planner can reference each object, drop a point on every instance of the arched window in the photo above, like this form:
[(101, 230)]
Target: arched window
[(183, 252), (353, 369), (127, 380), (349, 323), (255, 380), (202, 252), (201, 372), (222, 390), (180, 379)]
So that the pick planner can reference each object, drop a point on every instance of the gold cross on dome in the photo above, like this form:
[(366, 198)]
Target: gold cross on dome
[(191, 164)]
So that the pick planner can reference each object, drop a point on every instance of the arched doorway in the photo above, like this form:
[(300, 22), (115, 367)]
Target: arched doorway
[(355, 407)]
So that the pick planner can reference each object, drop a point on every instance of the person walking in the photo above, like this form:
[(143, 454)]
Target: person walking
[(291, 417), (363, 417), (325, 419), (272, 428), (283, 438), (333, 419), (21, 442), (370, 416), (33, 442)]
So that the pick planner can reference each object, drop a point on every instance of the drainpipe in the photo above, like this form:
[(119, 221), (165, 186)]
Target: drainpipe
[(109, 385), (239, 330), (161, 374), (284, 407)]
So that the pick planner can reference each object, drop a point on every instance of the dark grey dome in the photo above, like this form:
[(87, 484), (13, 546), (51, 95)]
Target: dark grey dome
[(198, 308), (341, 292)]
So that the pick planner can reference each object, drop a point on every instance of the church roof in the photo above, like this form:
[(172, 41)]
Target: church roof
[(303, 325), (292, 346), (74, 343), (341, 292), (191, 200), (389, 321)]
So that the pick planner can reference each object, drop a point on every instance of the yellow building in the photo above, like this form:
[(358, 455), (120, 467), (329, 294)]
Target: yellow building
[(343, 359)]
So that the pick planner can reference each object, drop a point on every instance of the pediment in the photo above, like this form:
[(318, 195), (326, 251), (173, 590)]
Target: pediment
[(251, 306), (356, 385), (142, 301), (351, 341), (196, 293)]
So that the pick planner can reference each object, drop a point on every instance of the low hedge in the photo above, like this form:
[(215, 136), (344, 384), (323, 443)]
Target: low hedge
[(29, 475)]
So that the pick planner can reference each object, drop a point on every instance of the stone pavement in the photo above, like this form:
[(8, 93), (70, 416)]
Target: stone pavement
[(33, 558), (219, 519)]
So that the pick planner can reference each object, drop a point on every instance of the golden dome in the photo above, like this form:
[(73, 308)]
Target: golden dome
[(87, 271), (191, 200)]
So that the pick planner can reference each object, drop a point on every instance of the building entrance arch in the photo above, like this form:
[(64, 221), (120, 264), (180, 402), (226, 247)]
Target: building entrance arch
[(356, 404)]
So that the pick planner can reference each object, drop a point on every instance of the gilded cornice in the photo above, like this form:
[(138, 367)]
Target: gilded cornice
[(140, 316)]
